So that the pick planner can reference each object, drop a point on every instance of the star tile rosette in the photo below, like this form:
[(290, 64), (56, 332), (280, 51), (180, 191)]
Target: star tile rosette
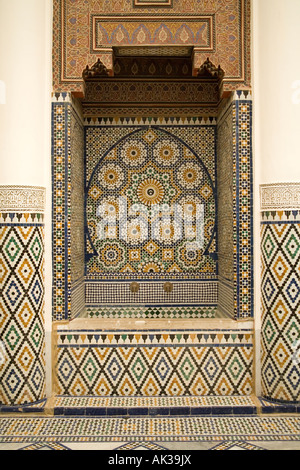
[(145, 198)]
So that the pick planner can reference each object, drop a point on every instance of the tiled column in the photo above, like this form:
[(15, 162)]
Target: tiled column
[(22, 332), (280, 247)]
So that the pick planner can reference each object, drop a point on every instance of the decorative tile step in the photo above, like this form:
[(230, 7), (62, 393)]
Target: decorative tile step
[(37, 407), (154, 406), (275, 407), (154, 362)]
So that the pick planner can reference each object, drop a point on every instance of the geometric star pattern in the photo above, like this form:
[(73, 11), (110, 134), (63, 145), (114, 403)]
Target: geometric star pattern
[(280, 242), (22, 373), (242, 160), (150, 168)]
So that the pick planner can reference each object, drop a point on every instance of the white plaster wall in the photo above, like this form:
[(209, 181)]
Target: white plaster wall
[(25, 112), (276, 73), (23, 69)]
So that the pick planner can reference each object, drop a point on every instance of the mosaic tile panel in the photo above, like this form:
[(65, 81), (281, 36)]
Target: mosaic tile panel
[(236, 446), (225, 166), (49, 446), (78, 298), (154, 363), (22, 335), (99, 140), (156, 402), (151, 168), (151, 312), (243, 205), (157, 157), (162, 120), (152, 293), (225, 297), (226, 33), (77, 196), (269, 406), (155, 406), (60, 150), (177, 429), (280, 248), (67, 202), (141, 446), (235, 203)]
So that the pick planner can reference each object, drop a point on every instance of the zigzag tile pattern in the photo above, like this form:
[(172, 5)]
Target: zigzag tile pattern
[(280, 243), (22, 370)]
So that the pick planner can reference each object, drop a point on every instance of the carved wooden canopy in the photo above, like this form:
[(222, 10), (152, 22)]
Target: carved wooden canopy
[(153, 66), (155, 81)]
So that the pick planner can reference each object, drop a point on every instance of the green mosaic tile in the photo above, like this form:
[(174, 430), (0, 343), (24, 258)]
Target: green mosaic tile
[(151, 312)]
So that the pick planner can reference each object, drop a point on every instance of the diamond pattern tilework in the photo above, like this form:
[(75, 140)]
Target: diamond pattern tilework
[(48, 446), (236, 446), (280, 242), (158, 363), (22, 374), (140, 446)]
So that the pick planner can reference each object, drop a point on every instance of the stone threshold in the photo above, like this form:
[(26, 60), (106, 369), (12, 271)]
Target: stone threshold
[(150, 324)]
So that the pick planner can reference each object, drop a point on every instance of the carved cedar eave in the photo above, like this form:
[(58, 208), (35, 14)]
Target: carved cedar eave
[(98, 70), (209, 70), (167, 90)]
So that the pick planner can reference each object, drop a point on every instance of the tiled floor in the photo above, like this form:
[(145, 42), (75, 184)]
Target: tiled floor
[(150, 433)]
